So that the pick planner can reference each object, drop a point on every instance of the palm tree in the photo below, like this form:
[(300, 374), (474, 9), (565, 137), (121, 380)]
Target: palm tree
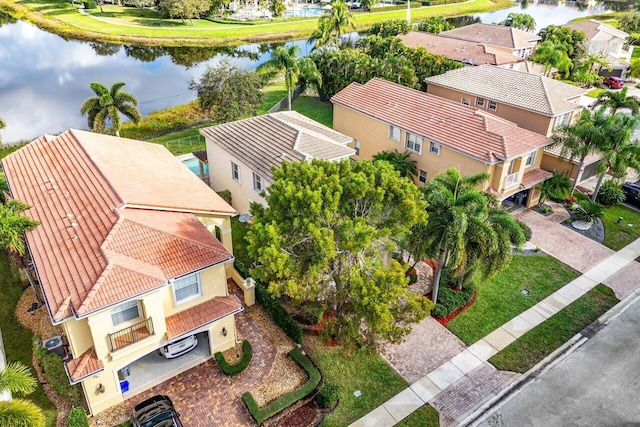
[(618, 100), (13, 225), (107, 106), (323, 36), (401, 162), (2, 126), (521, 21), (16, 378), (553, 55), (295, 68), (452, 202), (340, 19)]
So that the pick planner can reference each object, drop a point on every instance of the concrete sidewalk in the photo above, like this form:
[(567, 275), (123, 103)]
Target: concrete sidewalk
[(460, 385)]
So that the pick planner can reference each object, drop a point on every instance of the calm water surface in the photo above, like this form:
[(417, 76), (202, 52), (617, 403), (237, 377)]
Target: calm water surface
[(44, 79)]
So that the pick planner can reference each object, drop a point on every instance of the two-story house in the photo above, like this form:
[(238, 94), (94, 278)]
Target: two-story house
[(126, 257), (511, 40), (242, 153), (441, 134), (533, 102)]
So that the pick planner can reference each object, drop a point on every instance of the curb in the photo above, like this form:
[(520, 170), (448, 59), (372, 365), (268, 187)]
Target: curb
[(549, 362)]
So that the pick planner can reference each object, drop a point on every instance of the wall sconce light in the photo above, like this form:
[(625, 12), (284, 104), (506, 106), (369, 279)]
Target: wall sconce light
[(100, 388), (224, 331)]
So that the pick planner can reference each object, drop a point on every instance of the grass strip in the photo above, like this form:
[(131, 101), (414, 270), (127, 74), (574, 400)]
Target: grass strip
[(528, 350), (425, 416)]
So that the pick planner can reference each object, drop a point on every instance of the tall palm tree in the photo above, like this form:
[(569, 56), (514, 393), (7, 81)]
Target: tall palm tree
[(13, 225), (19, 412), (340, 19), (107, 106), (322, 36), (618, 100), (521, 21), (452, 202), (295, 69), (401, 162), (553, 55)]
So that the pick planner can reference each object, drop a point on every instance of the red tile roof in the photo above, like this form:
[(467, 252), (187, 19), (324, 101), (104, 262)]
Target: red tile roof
[(458, 127), (534, 176), (83, 366), (202, 314), (91, 250)]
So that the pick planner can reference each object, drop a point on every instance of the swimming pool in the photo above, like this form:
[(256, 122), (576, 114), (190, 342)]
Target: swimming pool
[(192, 164), (304, 12)]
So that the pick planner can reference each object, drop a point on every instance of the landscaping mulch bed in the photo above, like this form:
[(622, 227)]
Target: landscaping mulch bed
[(541, 209), (596, 232), (444, 320)]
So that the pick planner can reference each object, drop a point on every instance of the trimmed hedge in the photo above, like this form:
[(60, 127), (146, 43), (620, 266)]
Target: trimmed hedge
[(53, 368), (278, 405), (449, 300), (327, 396), (78, 418), (247, 355), (271, 305)]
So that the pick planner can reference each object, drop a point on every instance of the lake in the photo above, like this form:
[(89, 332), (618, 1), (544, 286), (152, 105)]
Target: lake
[(44, 79)]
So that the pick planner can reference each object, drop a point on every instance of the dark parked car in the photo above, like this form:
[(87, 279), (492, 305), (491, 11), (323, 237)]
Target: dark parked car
[(632, 191), (156, 411), (613, 82)]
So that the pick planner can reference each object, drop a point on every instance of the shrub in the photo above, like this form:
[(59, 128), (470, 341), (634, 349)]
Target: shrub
[(449, 300), (327, 396), (78, 418), (226, 195), (555, 188), (525, 229), (278, 405), (589, 211), (610, 194), (53, 369), (390, 28), (90, 4), (413, 278), (247, 354)]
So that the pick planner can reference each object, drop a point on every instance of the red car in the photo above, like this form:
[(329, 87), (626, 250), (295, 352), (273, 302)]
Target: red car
[(613, 82)]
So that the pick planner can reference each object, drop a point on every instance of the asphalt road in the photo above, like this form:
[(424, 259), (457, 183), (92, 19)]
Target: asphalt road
[(596, 385)]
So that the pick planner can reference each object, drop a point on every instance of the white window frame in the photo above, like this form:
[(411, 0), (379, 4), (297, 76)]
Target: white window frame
[(392, 133), (492, 105), (235, 171), (422, 176), (561, 120), (258, 183), (531, 158), (187, 282), (356, 146), (412, 141), (123, 308), (465, 101), (480, 102), (434, 148)]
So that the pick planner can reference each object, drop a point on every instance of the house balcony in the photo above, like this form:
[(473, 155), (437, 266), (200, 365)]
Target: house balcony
[(130, 335), (512, 180)]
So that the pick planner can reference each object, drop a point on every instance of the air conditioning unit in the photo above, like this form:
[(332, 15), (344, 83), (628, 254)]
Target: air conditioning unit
[(54, 345)]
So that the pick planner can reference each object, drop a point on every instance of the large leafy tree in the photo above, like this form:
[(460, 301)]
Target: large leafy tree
[(572, 40), (186, 9), (390, 28), (453, 202), (630, 22), (521, 21), (107, 106), (553, 55), (322, 238), (227, 93), (401, 162), (295, 68), (19, 412), (617, 100), (434, 25)]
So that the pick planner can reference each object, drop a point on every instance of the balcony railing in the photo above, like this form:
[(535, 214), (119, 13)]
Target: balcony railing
[(131, 334), (512, 180)]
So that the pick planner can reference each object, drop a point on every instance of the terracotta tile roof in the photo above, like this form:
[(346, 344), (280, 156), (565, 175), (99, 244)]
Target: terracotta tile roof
[(517, 88), (202, 314), (534, 176), (459, 127), (91, 251), (459, 50), (592, 28), (496, 35), (265, 141), (83, 366), (556, 149)]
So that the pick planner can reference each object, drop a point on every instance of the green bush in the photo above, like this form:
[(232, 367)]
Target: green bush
[(525, 229), (90, 4), (78, 418), (278, 405), (556, 188), (247, 354), (610, 194), (589, 211), (449, 300), (413, 278), (226, 195), (54, 370), (327, 396)]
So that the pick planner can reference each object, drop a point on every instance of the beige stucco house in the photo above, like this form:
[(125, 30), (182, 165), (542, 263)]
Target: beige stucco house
[(127, 258), (511, 40), (441, 134), (242, 153)]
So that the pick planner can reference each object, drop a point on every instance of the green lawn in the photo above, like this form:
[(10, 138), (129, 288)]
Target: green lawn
[(500, 299), (17, 339), (426, 416), (594, 93), (314, 109), (524, 353)]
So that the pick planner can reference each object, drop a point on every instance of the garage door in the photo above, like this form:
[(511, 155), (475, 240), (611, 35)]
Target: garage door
[(589, 171)]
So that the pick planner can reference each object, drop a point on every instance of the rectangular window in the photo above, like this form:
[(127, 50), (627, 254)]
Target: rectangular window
[(492, 105), (356, 146), (530, 159), (257, 182), (124, 312), (480, 102), (414, 143), (235, 172), (422, 176), (187, 287), (394, 133), (465, 101), (562, 120), (434, 148)]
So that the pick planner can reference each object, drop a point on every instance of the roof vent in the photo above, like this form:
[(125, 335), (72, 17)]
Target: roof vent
[(464, 60), (472, 61)]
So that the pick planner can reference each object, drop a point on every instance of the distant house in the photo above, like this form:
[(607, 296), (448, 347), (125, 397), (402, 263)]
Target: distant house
[(441, 134), (242, 153), (611, 43), (511, 40), (469, 52), (127, 258)]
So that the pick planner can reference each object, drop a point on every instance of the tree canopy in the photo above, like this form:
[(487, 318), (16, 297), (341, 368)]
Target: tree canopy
[(322, 238), (434, 25), (401, 162), (390, 28), (553, 55), (107, 106), (521, 21)]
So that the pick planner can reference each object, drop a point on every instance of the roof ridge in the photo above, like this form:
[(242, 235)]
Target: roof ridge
[(547, 96), (96, 287)]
